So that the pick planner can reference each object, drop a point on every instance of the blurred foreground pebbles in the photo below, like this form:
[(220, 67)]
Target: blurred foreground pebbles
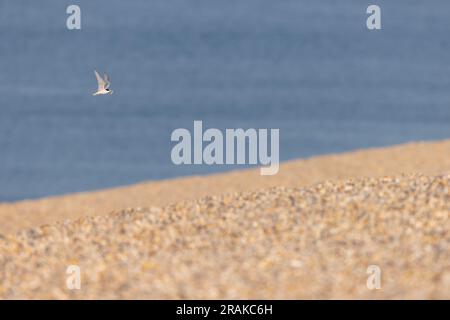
[(276, 243)]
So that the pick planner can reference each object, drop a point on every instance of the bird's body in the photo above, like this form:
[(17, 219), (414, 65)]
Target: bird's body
[(104, 91), (103, 84)]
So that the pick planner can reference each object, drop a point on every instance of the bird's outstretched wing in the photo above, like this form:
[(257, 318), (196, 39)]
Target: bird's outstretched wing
[(100, 81), (107, 81)]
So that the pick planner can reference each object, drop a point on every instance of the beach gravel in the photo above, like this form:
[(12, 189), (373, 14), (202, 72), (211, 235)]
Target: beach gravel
[(275, 243), (430, 158)]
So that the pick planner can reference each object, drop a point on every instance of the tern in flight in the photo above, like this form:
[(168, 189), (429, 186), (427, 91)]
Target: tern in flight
[(103, 84)]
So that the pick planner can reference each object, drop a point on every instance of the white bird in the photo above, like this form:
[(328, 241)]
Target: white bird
[(103, 84)]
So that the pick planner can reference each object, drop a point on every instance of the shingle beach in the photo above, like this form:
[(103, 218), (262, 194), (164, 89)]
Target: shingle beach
[(306, 241)]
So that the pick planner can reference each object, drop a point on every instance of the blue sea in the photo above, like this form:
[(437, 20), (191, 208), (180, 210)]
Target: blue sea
[(310, 68)]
